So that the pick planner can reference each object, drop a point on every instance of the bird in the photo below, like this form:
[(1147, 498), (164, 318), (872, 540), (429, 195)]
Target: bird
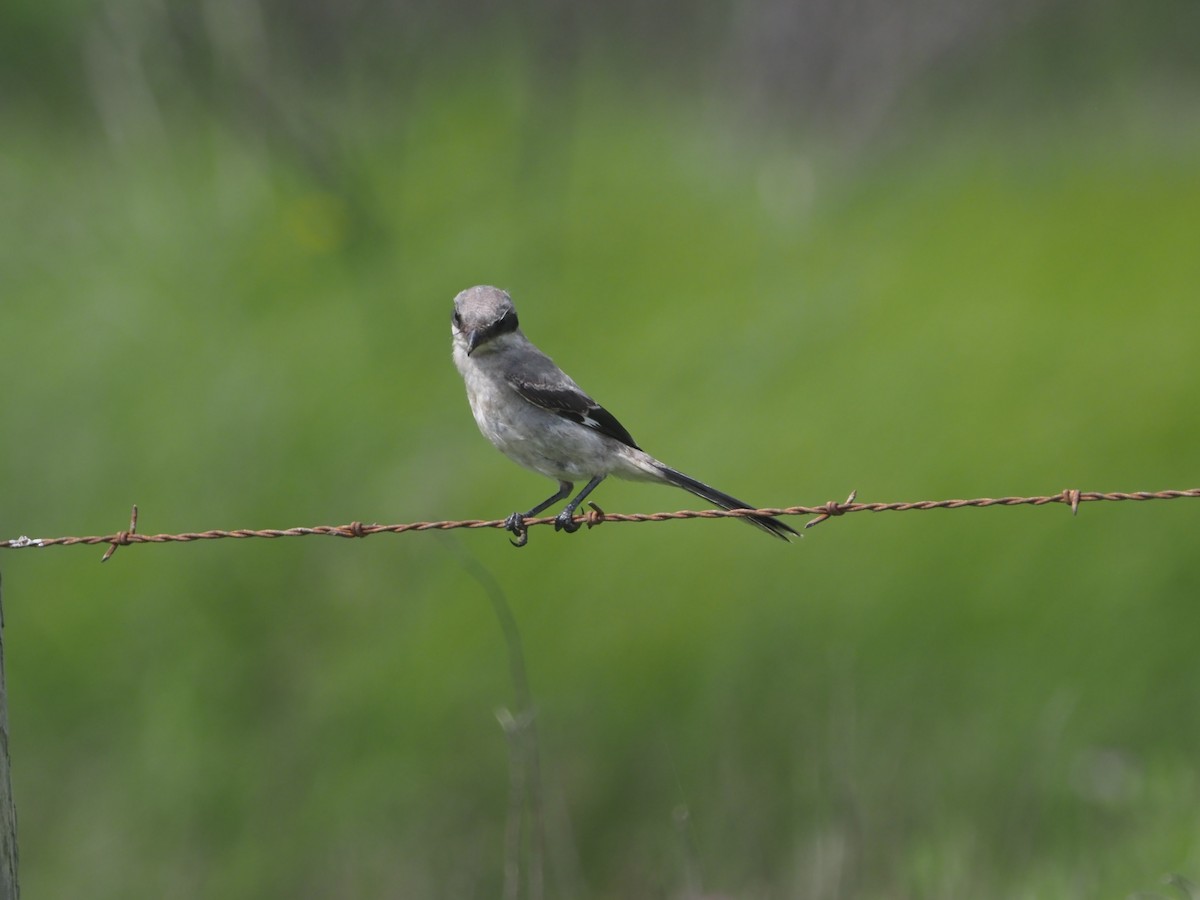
[(537, 416)]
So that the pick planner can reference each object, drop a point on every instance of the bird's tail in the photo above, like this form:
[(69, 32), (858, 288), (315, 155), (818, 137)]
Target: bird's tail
[(725, 501)]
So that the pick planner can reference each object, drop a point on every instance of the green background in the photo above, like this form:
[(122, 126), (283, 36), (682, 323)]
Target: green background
[(227, 259)]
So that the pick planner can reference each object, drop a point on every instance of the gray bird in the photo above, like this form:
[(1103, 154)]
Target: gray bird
[(533, 412)]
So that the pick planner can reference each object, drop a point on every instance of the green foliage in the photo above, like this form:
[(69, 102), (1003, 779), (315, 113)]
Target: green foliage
[(231, 329)]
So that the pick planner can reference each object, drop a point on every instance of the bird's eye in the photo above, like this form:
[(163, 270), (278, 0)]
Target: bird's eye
[(457, 319)]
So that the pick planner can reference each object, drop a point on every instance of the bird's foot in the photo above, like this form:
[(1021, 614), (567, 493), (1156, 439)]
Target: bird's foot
[(516, 524), (565, 521)]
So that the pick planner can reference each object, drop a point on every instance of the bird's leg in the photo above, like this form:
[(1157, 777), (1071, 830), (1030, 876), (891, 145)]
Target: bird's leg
[(565, 520), (516, 522)]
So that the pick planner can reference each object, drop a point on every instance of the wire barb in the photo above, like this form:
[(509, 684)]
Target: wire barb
[(121, 538), (355, 529), (595, 517), (833, 509), (1071, 497)]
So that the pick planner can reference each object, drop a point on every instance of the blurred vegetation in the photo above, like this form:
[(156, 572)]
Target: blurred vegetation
[(233, 233)]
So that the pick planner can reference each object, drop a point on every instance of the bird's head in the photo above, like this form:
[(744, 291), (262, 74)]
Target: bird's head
[(481, 315)]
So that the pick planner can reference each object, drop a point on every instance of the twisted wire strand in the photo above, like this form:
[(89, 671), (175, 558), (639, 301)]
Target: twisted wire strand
[(595, 516)]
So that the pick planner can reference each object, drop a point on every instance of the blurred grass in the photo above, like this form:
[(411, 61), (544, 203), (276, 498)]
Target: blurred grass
[(978, 703)]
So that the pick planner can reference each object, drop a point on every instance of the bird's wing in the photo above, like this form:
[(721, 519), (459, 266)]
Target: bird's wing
[(567, 400)]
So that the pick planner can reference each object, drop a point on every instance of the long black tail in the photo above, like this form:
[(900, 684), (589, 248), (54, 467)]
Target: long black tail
[(717, 498)]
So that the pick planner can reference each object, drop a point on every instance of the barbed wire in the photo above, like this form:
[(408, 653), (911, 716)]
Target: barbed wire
[(596, 516)]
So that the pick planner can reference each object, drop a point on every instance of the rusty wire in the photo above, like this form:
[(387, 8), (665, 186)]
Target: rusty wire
[(1071, 497)]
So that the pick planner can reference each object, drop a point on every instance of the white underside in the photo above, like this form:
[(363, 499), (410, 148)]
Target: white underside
[(534, 437)]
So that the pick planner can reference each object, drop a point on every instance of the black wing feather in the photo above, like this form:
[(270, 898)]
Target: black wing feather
[(574, 405)]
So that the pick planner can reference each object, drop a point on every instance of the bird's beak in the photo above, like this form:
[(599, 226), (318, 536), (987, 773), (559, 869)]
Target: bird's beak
[(472, 341)]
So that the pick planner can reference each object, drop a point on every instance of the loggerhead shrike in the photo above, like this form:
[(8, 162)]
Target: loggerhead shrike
[(538, 417)]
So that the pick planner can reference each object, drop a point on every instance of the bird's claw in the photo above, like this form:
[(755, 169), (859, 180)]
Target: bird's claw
[(516, 524), (565, 521)]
